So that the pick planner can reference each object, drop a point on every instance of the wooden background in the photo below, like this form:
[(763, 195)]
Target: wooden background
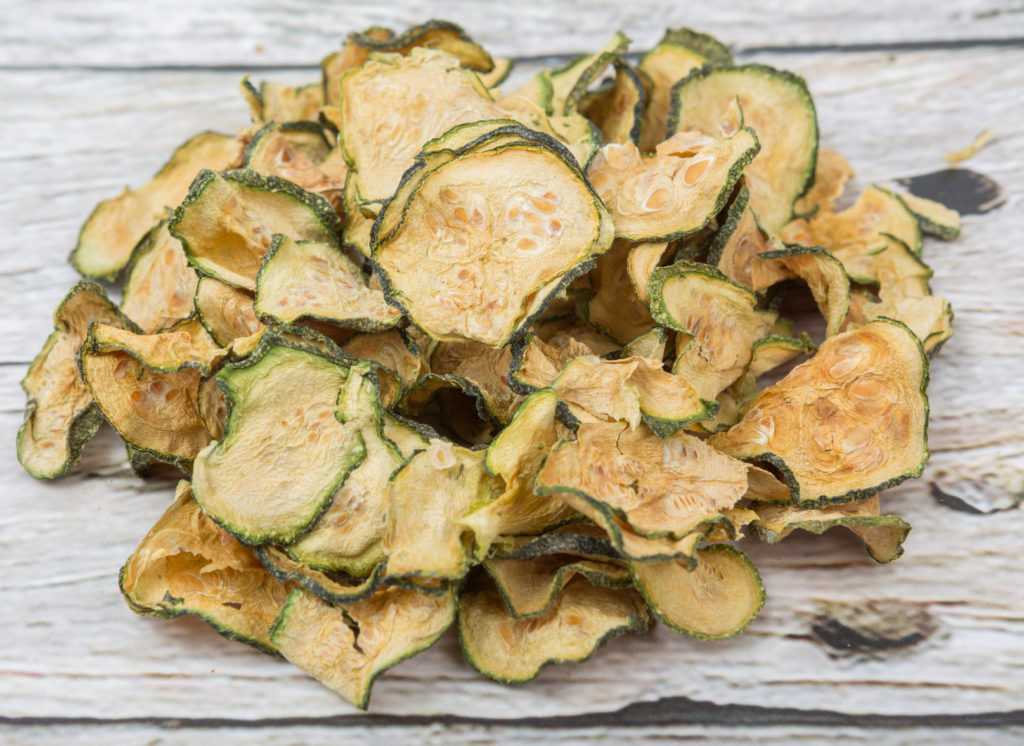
[(931, 649)]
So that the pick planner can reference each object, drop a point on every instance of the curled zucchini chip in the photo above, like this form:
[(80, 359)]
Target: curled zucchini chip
[(831, 172), (883, 535), (60, 417), (227, 221), (116, 225), (715, 600), (312, 281), (934, 218), (258, 481), (488, 237), (651, 345), (358, 225), (580, 538), (642, 260), (147, 386), (579, 619), (777, 106), (614, 306), (629, 390), (847, 423), (564, 332), (346, 648), (187, 564), (678, 53), (426, 497), (825, 276), (333, 586), (658, 487), (569, 84), (160, 286), (718, 319), (530, 586), (294, 151), (536, 364), (226, 312), (277, 102), (498, 74), (396, 354), (618, 110), (674, 191)]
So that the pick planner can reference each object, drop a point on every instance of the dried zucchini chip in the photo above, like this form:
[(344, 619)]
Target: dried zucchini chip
[(571, 331), (312, 281), (580, 619), (334, 587), (536, 364), (642, 260), (294, 151), (569, 84), (831, 172), (259, 481), (777, 106), (618, 111), (825, 276), (60, 417), (678, 53), (849, 422), (934, 218), (487, 238), (277, 102), (396, 354), (614, 306), (226, 312), (227, 221), (676, 190), (718, 319), (498, 74), (580, 538), (346, 648), (358, 225), (883, 535), (426, 497), (651, 345), (160, 286), (187, 564), (629, 390), (715, 600), (116, 225), (658, 487), (856, 233), (530, 586)]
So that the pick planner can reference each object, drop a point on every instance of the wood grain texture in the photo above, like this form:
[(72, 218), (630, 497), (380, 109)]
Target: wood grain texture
[(73, 136)]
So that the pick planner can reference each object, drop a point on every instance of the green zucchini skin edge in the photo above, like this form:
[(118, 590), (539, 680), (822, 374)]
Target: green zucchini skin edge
[(562, 576), (819, 527)]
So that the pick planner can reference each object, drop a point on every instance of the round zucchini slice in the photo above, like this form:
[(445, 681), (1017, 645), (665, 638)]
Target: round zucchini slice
[(160, 287), (226, 312), (569, 84), (294, 151), (530, 586), (277, 102), (618, 111), (849, 422), (934, 218)]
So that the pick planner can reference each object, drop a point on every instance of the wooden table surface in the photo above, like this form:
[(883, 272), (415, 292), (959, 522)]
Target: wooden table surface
[(931, 648)]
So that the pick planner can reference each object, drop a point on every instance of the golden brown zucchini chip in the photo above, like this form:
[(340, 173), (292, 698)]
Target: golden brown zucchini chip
[(259, 482), (569, 84), (618, 110), (277, 102), (579, 620), (849, 422), (642, 260), (295, 151), (333, 586), (715, 600), (227, 221), (825, 277), (565, 332), (614, 306), (187, 564), (397, 356), (346, 647), (60, 417), (478, 241), (226, 312), (934, 218), (535, 363), (116, 225), (651, 345), (530, 586), (831, 172), (883, 535), (675, 191), (777, 106), (160, 286), (313, 281), (579, 538)]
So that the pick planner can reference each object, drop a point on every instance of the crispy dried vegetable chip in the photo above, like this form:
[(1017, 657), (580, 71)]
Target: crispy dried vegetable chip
[(333, 586), (187, 564), (277, 102), (160, 287), (535, 363), (579, 538), (934, 218), (831, 172), (60, 417), (295, 151), (614, 306), (346, 647), (397, 355), (569, 84), (825, 277), (651, 345), (642, 260), (530, 586), (116, 225), (850, 421), (618, 110)]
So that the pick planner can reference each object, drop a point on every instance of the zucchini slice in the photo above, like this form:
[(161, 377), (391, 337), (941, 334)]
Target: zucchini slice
[(227, 221), (651, 345), (396, 354), (825, 277), (226, 312), (579, 620), (334, 587), (160, 286), (187, 564), (614, 306), (579, 538), (346, 648), (618, 111), (934, 218), (715, 600), (60, 416), (313, 281), (831, 172), (536, 364), (530, 586), (642, 260), (259, 482), (675, 191), (569, 84), (849, 422), (294, 151), (883, 535), (277, 102), (777, 106), (117, 225)]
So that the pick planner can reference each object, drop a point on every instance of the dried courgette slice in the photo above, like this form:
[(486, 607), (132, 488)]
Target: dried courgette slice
[(825, 277), (227, 221), (258, 481), (396, 354), (277, 102), (777, 106), (530, 586), (294, 151), (187, 564), (334, 587), (535, 363), (487, 239), (642, 260), (60, 417), (569, 84), (847, 423), (676, 190), (499, 73), (580, 619), (117, 225), (226, 312), (718, 319), (566, 332), (579, 538), (613, 306), (346, 647), (715, 600), (618, 111), (313, 281), (934, 218), (883, 535), (160, 286), (831, 172), (651, 345), (678, 53)]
